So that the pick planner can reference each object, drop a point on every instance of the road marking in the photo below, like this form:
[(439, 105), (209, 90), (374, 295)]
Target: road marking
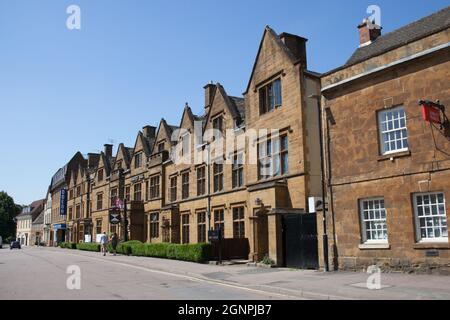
[(191, 278)]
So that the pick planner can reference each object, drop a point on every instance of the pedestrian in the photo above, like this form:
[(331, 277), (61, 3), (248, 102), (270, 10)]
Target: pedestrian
[(114, 241), (104, 243)]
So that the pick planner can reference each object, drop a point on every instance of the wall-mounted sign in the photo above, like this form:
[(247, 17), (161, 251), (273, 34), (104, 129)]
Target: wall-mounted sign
[(63, 202), (114, 217), (431, 111)]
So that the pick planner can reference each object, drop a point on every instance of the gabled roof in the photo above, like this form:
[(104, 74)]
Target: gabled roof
[(127, 153), (187, 112), (107, 163), (417, 30), (169, 130), (235, 105), (147, 143), (269, 32)]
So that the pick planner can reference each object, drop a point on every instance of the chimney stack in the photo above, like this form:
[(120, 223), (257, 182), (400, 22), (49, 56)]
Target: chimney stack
[(368, 32), (93, 160), (210, 89), (108, 150), (149, 132), (297, 45)]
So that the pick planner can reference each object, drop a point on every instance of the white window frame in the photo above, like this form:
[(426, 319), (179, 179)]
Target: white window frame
[(419, 238), (381, 121), (363, 221)]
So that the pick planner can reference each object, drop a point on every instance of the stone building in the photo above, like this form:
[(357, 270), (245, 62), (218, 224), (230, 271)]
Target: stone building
[(99, 186), (37, 230), (389, 168), (58, 191), (79, 204), (248, 165)]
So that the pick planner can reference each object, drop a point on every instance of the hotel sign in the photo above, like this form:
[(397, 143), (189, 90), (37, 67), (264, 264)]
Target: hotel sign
[(63, 202), (431, 112)]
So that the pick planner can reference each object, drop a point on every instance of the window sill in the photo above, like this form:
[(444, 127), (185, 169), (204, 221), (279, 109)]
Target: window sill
[(375, 246), (390, 156), (431, 245)]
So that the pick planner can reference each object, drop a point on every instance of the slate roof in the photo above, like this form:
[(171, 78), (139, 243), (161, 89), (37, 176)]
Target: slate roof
[(412, 32), (39, 219), (240, 105), (35, 209)]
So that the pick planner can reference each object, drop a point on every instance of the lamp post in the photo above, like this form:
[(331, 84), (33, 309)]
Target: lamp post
[(322, 177)]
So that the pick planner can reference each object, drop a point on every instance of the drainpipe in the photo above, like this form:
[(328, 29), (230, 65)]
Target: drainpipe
[(322, 178)]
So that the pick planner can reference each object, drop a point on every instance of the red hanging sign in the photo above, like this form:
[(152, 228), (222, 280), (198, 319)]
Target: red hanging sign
[(431, 114)]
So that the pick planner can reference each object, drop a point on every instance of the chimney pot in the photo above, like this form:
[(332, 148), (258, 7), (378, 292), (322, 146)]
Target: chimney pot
[(368, 32)]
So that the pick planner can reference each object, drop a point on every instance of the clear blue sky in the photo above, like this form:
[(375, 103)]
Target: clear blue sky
[(134, 62)]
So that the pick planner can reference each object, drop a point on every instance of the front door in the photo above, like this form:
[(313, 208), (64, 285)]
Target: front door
[(300, 241)]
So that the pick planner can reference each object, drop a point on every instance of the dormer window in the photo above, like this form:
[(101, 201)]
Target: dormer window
[(161, 147), (218, 123), (270, 97), (100, 175), (138, 160), (185, 144)]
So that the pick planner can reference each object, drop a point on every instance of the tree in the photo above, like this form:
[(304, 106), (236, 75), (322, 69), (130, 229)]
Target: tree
[(8, 211)]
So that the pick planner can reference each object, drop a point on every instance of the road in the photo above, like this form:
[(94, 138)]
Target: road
[(40, 273)]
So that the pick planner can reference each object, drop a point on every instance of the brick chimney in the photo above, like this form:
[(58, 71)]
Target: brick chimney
[(149, 132), (368, 32), (297, 46), (210, 89), (108, 150)]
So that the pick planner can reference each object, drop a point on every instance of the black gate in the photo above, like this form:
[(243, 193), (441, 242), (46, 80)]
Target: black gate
[(300, 241)]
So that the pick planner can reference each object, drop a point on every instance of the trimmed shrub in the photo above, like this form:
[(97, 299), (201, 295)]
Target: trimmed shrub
[(68, 245), (200, 252), (88, 247), (125, 247), (186, 252)]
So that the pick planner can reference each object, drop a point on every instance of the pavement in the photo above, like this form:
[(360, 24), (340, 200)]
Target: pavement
[(41, 273)]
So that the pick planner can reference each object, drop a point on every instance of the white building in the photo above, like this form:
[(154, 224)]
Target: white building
[(25, 219)]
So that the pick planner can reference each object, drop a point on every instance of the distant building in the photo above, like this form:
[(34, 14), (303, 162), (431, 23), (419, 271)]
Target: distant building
[(25, 219)]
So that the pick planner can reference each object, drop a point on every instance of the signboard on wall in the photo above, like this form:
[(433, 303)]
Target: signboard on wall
[(431, 111), (63, 202), (431, 114)]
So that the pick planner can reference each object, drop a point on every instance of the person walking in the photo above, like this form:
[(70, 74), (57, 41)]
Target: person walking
[(104, 243), (114, 241)]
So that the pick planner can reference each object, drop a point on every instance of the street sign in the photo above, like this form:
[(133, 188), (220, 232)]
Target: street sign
[(214, 235), (114, 217)]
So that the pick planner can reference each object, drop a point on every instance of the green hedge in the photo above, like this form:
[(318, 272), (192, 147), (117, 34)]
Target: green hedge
[(88, 247), (68, 245), (200, 252), (186, 252)]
